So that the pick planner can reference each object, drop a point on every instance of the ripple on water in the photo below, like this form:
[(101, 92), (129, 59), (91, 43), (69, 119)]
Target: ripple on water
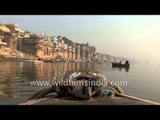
[(15, 78)]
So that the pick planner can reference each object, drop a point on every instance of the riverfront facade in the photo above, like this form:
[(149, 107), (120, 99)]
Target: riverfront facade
[(44, 46)]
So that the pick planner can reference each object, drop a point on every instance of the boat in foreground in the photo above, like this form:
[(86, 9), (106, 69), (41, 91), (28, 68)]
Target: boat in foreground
[(117, 100), (85, 94), (37, 62)]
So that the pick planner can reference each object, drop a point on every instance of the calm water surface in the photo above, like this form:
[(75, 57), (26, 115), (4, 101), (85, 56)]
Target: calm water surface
[(143, 80)]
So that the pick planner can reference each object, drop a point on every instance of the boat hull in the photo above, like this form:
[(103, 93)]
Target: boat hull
[(117, 65)]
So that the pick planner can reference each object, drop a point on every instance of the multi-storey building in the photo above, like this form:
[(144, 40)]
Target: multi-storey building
[(77, 52), (36, 46), (12, 38), (3, 32)]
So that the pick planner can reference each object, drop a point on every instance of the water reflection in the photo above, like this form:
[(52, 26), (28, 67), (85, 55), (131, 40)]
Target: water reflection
[(14, 73), (8, 79), (48, 70), (126, 69), (121, 69), (15, 77)]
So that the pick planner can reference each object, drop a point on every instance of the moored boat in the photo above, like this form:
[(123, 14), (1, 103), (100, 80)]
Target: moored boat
[(37, 62)]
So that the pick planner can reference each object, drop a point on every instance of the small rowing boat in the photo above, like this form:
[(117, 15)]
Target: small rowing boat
[(119, 65)]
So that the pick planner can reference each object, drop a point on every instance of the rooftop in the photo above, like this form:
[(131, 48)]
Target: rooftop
[(4, 28)]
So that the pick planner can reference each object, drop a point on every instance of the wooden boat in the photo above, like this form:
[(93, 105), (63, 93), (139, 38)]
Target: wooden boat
[(119, 65), (118, 100), (69, 95), (37, 62)]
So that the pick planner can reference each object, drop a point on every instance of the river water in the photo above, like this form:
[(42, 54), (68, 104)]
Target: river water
[(143, 80)]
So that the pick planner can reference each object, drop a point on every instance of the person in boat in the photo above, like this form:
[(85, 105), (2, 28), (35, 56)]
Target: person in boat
[(127, 62), (120, 62), (86, 91), (39, 59)]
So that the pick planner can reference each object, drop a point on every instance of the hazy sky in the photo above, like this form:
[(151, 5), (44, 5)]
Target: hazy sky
[(131, 36)]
